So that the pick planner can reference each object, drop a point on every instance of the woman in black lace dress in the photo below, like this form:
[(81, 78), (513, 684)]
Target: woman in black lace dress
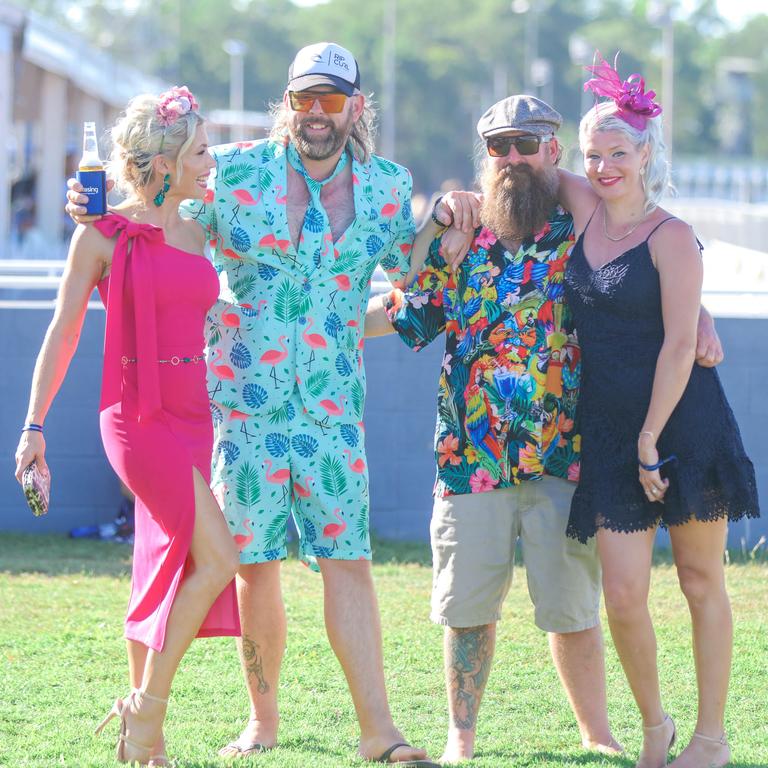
[(633, 283)]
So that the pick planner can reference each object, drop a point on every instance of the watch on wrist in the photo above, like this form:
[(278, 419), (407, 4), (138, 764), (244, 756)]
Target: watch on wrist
[(434, 216)]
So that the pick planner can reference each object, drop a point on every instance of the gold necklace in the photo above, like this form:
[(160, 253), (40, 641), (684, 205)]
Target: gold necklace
[(626, 234)]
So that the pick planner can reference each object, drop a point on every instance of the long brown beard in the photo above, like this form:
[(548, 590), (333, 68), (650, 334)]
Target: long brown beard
[(320, 149), (518, 200)]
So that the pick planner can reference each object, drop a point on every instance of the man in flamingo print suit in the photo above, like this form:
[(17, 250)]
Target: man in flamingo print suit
[(297, 225)]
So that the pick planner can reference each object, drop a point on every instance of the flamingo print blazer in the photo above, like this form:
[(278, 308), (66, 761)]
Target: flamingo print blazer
[(286, 318)]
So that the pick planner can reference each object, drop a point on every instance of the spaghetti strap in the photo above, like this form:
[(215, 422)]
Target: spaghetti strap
[(663, 221), (589, 221)]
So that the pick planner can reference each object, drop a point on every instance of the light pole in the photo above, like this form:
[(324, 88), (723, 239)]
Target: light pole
[(389, 80), (531, 10), (659, 13), (580, 52), (235, 49)]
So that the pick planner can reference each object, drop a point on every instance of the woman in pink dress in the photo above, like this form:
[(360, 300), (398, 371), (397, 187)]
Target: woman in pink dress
[(148, 266)]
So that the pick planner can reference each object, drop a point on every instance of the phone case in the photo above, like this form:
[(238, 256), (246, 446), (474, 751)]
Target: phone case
[(37, 488)]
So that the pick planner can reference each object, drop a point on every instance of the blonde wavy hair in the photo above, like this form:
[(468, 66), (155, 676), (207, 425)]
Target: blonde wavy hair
[(657, 178), (139, 136)]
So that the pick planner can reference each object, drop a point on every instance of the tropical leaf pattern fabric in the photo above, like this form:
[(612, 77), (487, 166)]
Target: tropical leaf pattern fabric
[(285, 364), (319, 475), (284, 313), (510, 373)]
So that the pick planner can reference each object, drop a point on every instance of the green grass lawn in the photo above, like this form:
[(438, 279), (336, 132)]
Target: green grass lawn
[(62, 663)]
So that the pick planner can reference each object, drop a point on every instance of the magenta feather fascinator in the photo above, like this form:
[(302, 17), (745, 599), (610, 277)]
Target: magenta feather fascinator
[(634, 104)]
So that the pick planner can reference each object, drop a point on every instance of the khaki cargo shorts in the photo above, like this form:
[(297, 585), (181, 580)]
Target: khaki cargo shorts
[(473, 553)]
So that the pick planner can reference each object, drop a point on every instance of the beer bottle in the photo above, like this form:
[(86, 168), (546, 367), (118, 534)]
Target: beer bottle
[(91, 172)]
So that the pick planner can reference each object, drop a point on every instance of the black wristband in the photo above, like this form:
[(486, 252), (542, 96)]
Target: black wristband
[(433, 215), (32, 428)]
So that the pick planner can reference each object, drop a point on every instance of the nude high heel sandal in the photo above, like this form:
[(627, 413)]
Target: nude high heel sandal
[(129, 751), (665, 723), (719, 751)]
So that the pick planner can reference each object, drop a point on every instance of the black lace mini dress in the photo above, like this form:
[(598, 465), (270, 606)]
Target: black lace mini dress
[(617, 312)]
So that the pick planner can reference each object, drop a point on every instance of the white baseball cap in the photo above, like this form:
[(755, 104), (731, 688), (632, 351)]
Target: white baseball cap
[(324, 64)]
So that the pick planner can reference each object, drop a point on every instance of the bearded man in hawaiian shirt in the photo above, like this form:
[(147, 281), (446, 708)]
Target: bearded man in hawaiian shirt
[(506, 449)]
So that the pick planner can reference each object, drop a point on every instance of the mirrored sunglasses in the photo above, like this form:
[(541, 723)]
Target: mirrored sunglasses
[(331, 103)]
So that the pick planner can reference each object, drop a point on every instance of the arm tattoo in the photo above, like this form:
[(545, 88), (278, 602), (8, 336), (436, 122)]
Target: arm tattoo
[(253, 664), (469, 661)]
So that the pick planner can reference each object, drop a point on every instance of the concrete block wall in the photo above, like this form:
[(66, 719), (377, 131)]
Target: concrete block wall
[(400, 421), (84, 489)]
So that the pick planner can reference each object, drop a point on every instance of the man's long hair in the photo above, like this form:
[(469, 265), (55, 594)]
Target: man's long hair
[(360, 142)]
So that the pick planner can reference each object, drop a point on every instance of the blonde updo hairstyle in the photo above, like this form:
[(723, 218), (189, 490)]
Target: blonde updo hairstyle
[(656, 180), (139, 136)]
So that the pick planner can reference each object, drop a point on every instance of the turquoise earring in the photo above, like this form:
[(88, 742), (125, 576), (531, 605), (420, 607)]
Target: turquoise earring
[(159, 198)]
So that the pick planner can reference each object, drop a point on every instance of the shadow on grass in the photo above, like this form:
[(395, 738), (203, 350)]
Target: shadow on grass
[(289, 751), (589, 758), (58, 555), (555, 758), (387, 552)]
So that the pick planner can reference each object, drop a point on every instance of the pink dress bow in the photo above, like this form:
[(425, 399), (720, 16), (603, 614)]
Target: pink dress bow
[(134, 250)]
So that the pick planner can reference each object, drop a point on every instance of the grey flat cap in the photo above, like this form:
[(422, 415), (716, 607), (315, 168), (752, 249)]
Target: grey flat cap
[(519, 113)]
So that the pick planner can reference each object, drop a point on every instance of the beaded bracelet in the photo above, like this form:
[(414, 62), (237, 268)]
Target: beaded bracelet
[(32, 428)]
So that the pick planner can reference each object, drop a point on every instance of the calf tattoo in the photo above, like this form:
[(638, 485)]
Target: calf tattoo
[(253, 664), (468, 663)]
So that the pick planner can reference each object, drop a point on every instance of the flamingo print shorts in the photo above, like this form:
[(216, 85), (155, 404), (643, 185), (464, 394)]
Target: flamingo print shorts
[(266, 467)]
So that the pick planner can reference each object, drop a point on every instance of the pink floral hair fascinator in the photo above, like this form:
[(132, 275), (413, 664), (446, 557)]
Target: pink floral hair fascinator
[(634, 104), (175, 103)]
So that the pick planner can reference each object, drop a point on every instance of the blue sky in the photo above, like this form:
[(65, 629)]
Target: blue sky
[(736, 12)]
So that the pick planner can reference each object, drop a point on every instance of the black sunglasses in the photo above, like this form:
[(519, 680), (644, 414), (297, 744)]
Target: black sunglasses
[(498, 146)]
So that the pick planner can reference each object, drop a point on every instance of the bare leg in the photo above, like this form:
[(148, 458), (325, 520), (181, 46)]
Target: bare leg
[(214, 558), (262, 617), (467, 656), (354, 630), (698, 549), (580, 663), (137, 659), (626, 561)]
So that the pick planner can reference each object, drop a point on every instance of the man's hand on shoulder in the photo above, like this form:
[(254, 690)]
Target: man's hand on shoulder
[(709, 349), (460, 209), (460, 212), (76, 201)]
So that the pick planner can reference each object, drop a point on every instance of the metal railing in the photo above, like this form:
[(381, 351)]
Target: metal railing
[(742, 224), (721, 180)]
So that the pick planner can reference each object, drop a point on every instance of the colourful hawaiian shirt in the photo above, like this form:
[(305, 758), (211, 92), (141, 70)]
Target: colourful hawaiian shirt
[(510, 373), (290, 319)]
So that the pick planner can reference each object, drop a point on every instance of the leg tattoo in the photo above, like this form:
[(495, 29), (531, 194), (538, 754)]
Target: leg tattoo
[(468, 663), (253, 664)]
